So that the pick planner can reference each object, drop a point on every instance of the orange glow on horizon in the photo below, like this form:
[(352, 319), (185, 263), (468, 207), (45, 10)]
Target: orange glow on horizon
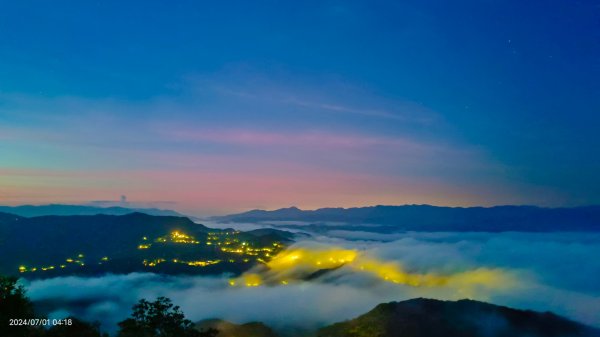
[(201, 192)]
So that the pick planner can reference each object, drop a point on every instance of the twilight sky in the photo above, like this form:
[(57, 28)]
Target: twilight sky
[(218, 107)]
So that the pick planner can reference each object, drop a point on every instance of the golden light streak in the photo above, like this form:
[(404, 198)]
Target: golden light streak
[(252, 280), (296, 264)]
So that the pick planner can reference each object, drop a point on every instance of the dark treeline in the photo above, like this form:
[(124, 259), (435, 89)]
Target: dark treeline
[(159, 318)]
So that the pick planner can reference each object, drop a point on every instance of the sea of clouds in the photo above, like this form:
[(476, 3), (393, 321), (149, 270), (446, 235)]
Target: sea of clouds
[(556, 272)]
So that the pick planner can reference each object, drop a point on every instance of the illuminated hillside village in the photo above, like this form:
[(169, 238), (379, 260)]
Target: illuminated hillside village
[(253, 262), (228, 247)]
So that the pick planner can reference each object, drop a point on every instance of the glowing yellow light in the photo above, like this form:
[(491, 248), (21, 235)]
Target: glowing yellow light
[(298, 263), (105, 258), (22, 269), (80, 256), (179, 237), (252, 280), (202, 263), (324, 258)]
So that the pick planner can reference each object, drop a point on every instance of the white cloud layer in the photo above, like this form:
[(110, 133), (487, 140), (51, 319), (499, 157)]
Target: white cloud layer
[(556, 272)]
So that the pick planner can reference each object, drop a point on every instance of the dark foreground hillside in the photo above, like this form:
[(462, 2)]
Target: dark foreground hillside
[(464, 318), (228, 329)]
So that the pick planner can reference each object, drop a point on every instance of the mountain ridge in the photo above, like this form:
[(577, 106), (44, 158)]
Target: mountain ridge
[(66, 210), (424, 317), (55, 245), (421, 317), (439, 218)]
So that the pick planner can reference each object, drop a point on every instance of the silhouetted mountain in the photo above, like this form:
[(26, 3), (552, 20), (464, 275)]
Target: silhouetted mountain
[(228, 329), (8, 218), (464, 318), (263, 236), (433, 218), (56, 209), (290, 213), (59, 245)]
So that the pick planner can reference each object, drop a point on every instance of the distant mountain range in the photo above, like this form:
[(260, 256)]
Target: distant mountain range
[(465, 318), (58, 209), (432, 218), (48, 246)]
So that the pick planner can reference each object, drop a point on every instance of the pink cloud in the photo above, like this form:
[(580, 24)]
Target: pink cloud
[(318, 139), (336, 150)]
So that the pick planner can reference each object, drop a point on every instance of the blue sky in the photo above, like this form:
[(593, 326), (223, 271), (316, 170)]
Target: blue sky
[(215, 107)]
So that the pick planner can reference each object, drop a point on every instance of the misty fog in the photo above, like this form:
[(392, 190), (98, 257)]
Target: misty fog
[(547, 271)]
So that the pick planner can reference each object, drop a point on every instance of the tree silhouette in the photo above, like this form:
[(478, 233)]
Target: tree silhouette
[(159, 319), (14, 304)]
